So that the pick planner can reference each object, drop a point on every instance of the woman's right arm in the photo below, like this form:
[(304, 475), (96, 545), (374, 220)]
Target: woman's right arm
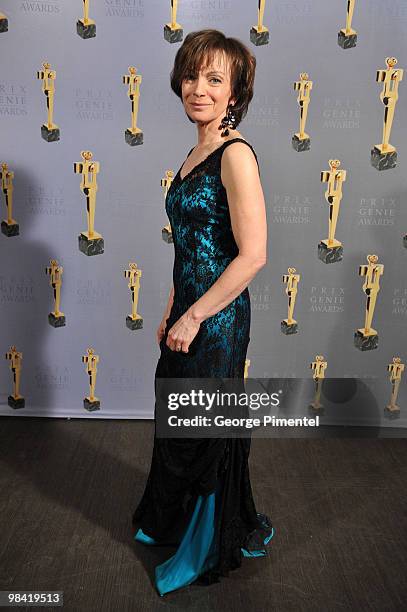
[(170, 301), (163, 323)]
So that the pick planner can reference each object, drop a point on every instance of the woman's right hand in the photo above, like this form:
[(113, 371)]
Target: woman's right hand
[(161, 328)]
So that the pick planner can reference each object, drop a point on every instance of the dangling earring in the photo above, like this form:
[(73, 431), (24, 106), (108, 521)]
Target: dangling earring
[(228, 121)]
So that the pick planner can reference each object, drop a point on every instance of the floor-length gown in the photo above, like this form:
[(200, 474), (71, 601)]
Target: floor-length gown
[(198, 495)]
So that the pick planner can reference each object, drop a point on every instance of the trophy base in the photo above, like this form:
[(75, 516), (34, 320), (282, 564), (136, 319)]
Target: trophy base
[(347, 41), (54, 321), (316, 407), (133, 138), (383, 160), (405, 241), (173, 36), (4, 24), (50, 134), (167, 236), (86, 30), (91, 246), (10, 229), (330, 254), (259, 38), (301, 144), (392, 412), (365, 343), (289, 328), (91, 406), (16, 403), (134, 324)]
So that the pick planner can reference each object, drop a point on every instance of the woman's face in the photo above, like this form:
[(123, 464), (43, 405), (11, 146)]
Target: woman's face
[(206, 95)]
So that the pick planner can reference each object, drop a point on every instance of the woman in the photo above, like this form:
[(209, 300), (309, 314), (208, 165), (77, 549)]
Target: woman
[(198, 495)]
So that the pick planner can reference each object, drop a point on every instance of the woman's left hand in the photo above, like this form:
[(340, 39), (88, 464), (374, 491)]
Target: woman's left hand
[(181, 334)]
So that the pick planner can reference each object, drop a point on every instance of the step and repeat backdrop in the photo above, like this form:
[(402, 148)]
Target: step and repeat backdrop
[(90, 133)]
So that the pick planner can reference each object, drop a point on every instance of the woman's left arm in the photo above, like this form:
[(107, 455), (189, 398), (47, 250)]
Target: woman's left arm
[(240, 177)]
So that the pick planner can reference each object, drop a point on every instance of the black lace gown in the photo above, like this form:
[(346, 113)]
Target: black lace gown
[(198, 495)]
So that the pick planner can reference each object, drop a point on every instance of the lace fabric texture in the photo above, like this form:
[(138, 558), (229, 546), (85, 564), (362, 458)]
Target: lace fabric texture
[(183, 469)]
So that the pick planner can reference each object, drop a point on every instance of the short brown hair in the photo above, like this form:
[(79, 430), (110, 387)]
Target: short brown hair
[(198, 50)]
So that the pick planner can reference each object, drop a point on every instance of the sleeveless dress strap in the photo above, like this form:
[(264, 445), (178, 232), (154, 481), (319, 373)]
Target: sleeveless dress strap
[(225, 144)]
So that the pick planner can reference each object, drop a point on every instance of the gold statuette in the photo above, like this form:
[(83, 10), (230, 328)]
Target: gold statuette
[(91, 402), (9, 226), (90, 242), (49, 131), (383, 156), (86, 28), (318, 366), (330, 250), (246, 368), (3, 23), (366, 338), (133, 135), (166, 183), (396, 369), (346, 36), (290, 325), (301, 141), (56, 318), (173, 31), (259, 34), (134, 320), (15, 400)]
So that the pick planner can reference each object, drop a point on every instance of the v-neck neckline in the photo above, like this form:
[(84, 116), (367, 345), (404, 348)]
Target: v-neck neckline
[(202, 161)]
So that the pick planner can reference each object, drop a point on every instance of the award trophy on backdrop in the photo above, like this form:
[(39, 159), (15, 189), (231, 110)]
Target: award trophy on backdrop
[(301, 141), (383, 156), (56, 318), (3, 23), (346, 36), (167, 234), (166, 183), (246, 368), (259, 34), (366, 338), (290, 325), (90, 242), (318, 366), (173, 31), (49, 131), (134, 321), (15, 400), (91, 402), (86, 28), (330, 250), (396, 369), (133, 135), (9, 226)]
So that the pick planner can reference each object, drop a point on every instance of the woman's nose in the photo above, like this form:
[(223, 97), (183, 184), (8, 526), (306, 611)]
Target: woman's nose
[(199, 86)]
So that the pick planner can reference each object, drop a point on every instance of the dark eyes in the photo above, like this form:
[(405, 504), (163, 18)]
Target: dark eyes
[(191, 77)]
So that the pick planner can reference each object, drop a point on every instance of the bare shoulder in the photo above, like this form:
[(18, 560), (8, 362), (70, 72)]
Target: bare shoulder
[(238, 152), (238, 163), (235, 134)]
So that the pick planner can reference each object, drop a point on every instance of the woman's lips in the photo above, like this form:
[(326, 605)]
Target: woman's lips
[(199, 105)]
